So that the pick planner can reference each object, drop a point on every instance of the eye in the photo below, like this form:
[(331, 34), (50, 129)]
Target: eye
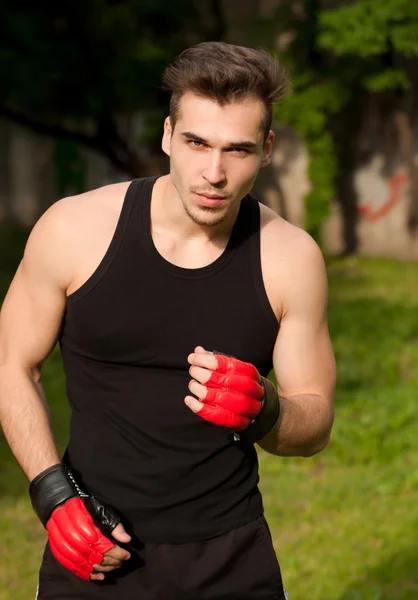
[(195, 144), (241, 151)]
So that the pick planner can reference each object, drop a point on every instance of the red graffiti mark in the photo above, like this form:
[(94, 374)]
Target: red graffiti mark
[(394, 185)]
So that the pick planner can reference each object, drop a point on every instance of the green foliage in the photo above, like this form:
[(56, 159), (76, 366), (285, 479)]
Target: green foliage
[(321, 171), (380, 31), (307, 111), (387, 80), (333, 56), (93, 60), (318, 93), (311, 101), (371, 28), (89, 59)]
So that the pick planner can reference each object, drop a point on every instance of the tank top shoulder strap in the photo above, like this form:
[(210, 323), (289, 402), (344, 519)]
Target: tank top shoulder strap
[(254, 246), (254, 240), (123, 220), (131, 203), (115, 243), (247, 227)]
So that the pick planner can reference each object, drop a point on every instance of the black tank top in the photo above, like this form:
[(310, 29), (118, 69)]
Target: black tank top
[(125, 338)]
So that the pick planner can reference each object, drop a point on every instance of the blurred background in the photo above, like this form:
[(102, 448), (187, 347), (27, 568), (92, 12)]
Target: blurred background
[(81, 106)]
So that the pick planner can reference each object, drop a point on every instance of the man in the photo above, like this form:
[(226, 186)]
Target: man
[(154, 288)]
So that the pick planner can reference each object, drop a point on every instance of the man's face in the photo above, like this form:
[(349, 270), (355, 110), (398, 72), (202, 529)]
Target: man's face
[(215, 154)]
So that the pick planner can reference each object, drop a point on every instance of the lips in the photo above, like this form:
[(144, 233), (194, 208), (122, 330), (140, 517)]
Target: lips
[(210, 201)]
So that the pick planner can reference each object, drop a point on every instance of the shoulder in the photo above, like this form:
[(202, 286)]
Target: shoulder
[(74, 211), (288, 242), (292, 261), (71, 224)]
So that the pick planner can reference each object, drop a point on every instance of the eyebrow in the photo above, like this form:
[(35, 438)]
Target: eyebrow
[(243, 144)]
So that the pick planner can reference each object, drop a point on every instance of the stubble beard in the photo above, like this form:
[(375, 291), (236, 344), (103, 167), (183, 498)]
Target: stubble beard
[(208, 217), (204, 216)]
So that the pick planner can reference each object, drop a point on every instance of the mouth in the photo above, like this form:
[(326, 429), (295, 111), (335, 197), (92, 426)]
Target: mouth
[(210, 201)]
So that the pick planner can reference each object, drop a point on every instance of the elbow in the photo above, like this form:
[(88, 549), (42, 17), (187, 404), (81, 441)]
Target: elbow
[(321, 438), (13, 368), (35, 374), (305, 450), (316, 447)]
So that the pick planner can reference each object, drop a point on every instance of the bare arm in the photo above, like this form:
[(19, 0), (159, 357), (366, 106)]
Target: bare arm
[(303, 361), (30, 320)]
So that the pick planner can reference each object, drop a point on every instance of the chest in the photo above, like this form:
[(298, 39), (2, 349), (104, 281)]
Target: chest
[(152, 319)]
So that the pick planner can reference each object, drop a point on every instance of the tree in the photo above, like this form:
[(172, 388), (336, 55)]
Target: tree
[(338, 59), (380, 38), (84, 71)]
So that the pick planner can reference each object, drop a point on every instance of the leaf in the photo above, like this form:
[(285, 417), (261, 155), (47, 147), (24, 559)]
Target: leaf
[(391, 79)]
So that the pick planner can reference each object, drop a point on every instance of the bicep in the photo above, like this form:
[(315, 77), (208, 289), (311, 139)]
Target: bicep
[(303, 358), (31, 315)]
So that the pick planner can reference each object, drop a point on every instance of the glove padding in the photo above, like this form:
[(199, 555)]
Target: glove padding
[(78, 525), (234, 394)]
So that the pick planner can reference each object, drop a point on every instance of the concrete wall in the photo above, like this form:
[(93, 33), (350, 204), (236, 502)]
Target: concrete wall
[(383, 201), (382, 214), (28, 174)]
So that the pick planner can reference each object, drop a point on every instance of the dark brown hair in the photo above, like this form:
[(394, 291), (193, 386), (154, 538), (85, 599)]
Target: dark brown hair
[(226, 73)]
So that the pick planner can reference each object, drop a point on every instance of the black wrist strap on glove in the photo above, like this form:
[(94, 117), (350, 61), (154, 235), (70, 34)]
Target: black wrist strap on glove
[(54, 486), (50, 489), (267, 417)]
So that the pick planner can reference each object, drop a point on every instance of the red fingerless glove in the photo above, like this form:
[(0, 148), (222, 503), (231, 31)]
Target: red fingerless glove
[(75, 540), (234, 394), (79, 525)]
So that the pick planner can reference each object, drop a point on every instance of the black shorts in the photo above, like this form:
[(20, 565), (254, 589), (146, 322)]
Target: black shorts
[(238, 565)]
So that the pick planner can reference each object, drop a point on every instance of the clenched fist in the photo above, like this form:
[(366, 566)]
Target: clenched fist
[(229, 389), (231, 393)]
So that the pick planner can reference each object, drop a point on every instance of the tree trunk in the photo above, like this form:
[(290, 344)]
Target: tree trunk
[(348, 197), (345, 128), (404, 125)]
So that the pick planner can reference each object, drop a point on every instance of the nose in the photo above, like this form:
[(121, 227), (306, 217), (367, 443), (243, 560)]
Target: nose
[(214, 172)]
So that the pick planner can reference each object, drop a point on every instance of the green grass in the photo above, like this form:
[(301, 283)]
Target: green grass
[(344, 522)]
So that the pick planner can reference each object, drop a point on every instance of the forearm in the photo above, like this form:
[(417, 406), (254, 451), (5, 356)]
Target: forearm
[(303, 427), (25, 420)]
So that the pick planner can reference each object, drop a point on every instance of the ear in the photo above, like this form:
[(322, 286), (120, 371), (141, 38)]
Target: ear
[(268, 149), (166, 141)]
